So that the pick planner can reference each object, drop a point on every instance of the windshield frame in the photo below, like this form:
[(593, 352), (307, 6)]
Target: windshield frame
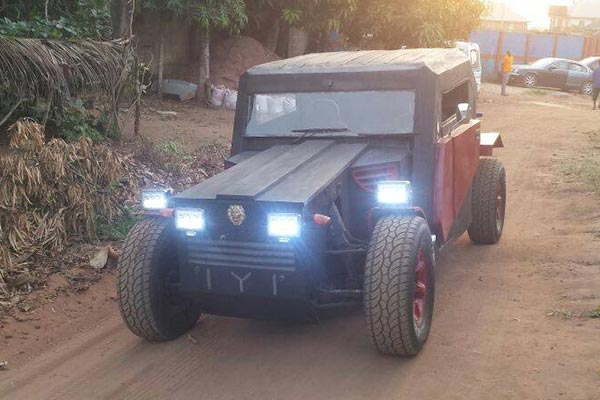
[(322, 131)]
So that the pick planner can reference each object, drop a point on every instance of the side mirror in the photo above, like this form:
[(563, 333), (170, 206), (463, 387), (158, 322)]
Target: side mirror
[(463, 112)]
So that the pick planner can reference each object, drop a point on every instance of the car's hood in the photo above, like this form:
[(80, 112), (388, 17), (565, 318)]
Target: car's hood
[(520, 67), (283, 173)]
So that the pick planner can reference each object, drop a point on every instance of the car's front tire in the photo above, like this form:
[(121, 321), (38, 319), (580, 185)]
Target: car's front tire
[(148, 263), (488, 205), (530, 80), (587, 88), (399, 285)]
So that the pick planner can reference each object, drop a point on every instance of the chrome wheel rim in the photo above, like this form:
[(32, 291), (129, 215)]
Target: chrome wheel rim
[(530, 81)]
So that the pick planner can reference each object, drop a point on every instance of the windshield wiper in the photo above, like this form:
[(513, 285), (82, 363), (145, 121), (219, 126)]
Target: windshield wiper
[(306, 133)]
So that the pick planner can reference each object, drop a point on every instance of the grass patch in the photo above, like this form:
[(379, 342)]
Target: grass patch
[(585, 167), (595, 232), (537, 92), (119, 227), (593, 314), (168, 155)]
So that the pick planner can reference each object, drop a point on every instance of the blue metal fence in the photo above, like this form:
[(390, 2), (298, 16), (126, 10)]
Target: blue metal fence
[(528, 47)]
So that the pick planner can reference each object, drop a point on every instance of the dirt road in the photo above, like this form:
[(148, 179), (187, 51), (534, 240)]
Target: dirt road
[(500, 327)]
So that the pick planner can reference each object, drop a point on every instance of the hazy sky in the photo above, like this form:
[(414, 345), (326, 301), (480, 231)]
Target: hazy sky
[(536, 11)]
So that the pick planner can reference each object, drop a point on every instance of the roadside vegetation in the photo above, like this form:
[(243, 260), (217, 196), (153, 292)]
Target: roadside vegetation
[(585, 167), (593, 314), (537, 92)]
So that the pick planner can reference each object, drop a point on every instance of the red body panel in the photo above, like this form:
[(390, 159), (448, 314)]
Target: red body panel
[(466, 160), (443, 202), (457, 158)]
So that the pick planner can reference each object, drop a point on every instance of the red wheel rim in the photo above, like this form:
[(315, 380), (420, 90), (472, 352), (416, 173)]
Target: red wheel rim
[(499, 207), (420, 294)]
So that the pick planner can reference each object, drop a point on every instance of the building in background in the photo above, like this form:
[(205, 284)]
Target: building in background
[(582, 17), (500, 17)]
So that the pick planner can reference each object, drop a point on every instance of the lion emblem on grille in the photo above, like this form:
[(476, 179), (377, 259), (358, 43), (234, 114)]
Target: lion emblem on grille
[(236, 214)]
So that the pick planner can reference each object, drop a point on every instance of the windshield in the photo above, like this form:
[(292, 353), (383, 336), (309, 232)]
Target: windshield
[(332, 113), (543, 63)]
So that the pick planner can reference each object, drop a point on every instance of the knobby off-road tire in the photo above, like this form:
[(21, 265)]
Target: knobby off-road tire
[(394, 283), (148, 261), (488, 205)]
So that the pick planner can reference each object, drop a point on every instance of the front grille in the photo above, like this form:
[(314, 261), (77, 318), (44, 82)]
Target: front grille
[(221, 253), (367, 177)]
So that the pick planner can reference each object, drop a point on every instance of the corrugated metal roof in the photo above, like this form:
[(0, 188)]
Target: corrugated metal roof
[(437, 60)]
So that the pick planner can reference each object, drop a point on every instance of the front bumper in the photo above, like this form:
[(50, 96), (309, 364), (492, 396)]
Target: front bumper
[(263, 279), (256, 269), (515, 78)]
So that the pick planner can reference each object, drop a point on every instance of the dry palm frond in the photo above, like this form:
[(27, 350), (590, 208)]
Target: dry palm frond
[(53, 69), (50, 192), (56, 70)]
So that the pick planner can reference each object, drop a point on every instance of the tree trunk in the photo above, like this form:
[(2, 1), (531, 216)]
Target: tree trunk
[(204, 70), (161, 58), (271, 33), (120, 16)]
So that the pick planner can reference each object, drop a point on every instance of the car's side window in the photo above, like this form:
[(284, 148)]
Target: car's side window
[(576, 67), (450, 102), (559, 65)]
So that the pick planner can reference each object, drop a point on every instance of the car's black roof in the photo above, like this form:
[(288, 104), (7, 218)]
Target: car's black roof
[(437, 61)]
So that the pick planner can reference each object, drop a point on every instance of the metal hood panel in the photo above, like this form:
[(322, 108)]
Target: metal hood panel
[(283, 173)]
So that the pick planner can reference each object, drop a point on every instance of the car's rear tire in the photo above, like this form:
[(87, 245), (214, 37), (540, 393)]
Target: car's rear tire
[(488, 205), (530, 80), (399, 285), (587, 88), (147, 264)]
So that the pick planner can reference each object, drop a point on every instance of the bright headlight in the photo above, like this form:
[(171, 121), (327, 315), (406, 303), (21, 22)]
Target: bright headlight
[(155, 199), (189, 219), (283, 225), (393, 192)]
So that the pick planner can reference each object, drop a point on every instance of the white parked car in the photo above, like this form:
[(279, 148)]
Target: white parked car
[(473, 52)]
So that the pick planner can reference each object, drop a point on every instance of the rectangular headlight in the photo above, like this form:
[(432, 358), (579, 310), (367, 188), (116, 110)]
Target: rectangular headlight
[(283, 225), (189, 219), (393, 192), (155, 199)]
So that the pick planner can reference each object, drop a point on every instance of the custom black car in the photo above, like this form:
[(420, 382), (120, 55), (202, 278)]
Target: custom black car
[(554, 73), (349, 171)]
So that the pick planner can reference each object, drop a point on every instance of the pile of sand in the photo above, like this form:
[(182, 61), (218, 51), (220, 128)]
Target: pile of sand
[(231, 57)]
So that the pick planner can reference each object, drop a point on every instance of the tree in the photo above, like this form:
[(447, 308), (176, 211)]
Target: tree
[(120, 12), (207, 15), (415, 23), (317, 17), (56, 19)]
